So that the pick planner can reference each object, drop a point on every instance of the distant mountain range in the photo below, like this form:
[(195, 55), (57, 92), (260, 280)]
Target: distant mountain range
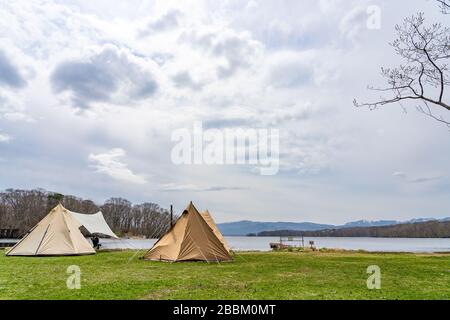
[(242, 228), (426, 229), (245, 227)]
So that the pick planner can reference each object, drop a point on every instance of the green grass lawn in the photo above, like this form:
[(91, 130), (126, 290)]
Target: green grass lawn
[(274, 275)]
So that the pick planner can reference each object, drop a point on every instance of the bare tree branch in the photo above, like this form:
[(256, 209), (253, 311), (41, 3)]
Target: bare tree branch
[(445, 6), (427, 111), (425, 75)]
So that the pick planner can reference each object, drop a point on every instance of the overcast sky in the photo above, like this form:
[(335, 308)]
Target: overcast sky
[(91, 92)]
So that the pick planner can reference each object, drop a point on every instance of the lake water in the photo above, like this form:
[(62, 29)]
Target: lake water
[(262, 244)]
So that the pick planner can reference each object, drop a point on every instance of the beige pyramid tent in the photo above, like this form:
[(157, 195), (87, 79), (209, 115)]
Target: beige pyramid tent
[(57, 234), (210, 221), (190, 239)]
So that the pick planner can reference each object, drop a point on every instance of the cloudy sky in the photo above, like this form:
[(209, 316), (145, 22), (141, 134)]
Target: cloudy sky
[(91, 92)]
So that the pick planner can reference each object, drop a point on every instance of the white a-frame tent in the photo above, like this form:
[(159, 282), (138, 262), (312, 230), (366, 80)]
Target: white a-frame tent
[(57, 234)]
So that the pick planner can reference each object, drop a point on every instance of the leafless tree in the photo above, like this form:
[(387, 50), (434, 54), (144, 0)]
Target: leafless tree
[(22, 209), (424, 76)]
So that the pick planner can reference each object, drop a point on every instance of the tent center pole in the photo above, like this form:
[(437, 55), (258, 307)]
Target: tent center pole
[(171, 216)]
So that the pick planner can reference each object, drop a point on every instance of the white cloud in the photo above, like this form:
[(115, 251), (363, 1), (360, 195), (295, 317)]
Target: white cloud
[(230, 50), (5, 137), (166, 22), (183, 79), (195, 188), (354, 22), (109, 163), (12, 108), (399, 174), (291, 69)]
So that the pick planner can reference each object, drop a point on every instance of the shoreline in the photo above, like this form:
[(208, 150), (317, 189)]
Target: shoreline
[(305, 252)]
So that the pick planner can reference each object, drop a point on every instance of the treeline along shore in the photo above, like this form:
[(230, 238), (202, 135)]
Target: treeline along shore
[(20, 210), (428, 229)]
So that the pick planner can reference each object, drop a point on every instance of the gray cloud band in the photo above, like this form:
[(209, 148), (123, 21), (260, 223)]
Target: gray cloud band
[(102, 78), (9, 74)]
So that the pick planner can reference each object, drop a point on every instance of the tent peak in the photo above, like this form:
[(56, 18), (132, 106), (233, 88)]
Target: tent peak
[(191, 206), (59, 206)]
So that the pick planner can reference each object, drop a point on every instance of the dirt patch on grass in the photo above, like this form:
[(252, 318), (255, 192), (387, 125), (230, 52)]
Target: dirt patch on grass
[(437, 254), (295, 273), (158, 294)]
